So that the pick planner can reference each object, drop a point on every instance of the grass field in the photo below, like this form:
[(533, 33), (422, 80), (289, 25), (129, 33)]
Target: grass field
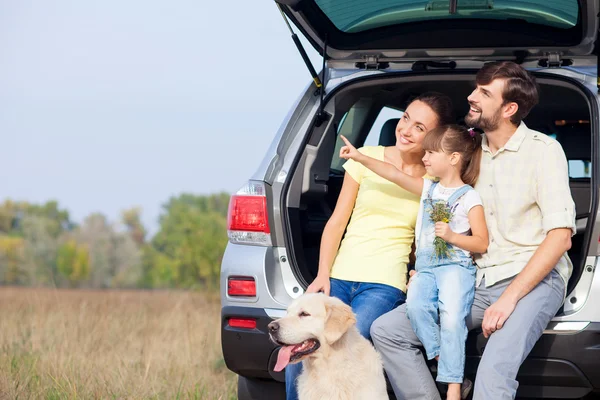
[(75, 344)]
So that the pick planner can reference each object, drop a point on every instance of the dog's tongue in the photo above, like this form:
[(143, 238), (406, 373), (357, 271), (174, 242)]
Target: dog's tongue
[(283, 358)]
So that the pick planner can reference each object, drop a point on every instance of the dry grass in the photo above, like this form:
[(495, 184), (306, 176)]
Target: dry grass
[(70, 344)]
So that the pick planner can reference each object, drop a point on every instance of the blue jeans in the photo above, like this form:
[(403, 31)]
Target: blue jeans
[(438, 303), (368, 301), (504, 353)]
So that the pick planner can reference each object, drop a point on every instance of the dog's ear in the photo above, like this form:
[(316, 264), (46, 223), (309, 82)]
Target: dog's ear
[(339, 319)]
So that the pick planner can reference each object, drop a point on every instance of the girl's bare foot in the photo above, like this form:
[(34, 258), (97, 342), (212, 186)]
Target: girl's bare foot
[(453, 391)]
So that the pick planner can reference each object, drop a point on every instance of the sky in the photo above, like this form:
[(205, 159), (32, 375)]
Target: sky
[(105, 105)]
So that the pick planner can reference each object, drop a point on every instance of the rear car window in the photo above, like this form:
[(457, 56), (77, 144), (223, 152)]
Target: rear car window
[(575, 138), (580, 169), (361, 15), (353, 135), (385, 115)]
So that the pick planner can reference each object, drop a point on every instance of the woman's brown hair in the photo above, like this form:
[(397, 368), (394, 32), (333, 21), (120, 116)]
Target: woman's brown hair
[(440, 104), (457, 139)]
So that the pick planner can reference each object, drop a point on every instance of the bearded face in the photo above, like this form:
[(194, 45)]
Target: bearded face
[(486, 106), (486, 120)]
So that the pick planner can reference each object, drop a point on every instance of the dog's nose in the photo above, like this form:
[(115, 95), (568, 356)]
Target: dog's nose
[(273, 326)]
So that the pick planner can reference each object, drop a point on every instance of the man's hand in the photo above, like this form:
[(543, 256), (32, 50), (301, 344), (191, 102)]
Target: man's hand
[(348, 151), (496, 315), (411, 275), (320, 284), (442, 230)]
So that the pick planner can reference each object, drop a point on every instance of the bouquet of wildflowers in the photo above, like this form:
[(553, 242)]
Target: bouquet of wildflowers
[(440, 211)]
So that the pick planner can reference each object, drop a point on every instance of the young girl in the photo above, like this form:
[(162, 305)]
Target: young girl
[(450, 226)]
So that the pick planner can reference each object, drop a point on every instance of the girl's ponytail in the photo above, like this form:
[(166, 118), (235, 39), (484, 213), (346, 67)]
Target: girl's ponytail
[(472, 159)]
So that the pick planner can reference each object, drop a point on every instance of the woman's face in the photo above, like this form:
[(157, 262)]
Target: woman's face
[(417, 120)]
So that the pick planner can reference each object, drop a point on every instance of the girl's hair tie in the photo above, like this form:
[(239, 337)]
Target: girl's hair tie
[(471, 132)]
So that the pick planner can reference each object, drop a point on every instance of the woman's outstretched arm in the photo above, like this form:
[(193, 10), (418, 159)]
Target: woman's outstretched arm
[(383, 169)]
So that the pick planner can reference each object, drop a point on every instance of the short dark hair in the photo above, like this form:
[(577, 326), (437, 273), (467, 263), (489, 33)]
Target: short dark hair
[(520, 86)]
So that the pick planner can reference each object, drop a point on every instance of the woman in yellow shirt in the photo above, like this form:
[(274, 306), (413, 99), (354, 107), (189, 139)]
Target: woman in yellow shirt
[(368, 270)]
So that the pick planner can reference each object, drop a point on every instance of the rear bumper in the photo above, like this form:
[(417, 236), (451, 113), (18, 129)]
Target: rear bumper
[(249, 352), (559, 366)]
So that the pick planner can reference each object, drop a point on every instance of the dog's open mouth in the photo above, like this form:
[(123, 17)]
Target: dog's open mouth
[(289, 353)]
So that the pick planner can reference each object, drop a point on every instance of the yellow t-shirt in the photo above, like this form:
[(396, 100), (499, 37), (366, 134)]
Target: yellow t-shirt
[(381, 230)]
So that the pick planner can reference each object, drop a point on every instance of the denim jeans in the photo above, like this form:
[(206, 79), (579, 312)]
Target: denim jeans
[(439, 301), (368, 301), (504, 352)]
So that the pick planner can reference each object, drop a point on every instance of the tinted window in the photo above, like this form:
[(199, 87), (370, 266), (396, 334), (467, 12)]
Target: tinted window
[(385, 115), (580, 169), (362, 15), (353, 135)]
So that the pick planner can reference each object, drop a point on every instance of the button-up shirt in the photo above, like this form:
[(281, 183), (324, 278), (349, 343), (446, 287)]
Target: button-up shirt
[(525, 191)]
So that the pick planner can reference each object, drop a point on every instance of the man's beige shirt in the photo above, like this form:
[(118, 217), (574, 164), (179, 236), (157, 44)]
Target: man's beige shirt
[(525, 192)]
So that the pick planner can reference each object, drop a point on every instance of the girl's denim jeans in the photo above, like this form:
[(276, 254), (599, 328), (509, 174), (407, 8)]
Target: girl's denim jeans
[(438, 303), (368, 301), (440, 297)]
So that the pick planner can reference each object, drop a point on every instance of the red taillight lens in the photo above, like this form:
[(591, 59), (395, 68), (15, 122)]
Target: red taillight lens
[(241, 287), (242, 323), (248, 219), (248, 214)]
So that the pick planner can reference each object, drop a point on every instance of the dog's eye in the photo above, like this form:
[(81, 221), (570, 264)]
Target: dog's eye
[(304, 314)]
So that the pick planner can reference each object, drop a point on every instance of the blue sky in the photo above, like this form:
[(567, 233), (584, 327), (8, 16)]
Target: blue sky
[(109, 104)]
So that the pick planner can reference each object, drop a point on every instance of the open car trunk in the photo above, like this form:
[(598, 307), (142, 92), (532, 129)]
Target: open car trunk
[(564, 112), (428, 29)]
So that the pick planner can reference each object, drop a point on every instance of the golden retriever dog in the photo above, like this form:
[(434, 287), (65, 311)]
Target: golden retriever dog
[(338, 363)]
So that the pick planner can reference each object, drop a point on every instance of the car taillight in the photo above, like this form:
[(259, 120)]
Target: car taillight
[(244, 323), (241, 286), (248, 213), (247, 219)]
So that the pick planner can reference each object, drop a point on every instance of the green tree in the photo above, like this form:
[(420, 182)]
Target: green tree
[(73, 262), (13, 214), (11, 257), (8, 212), (59, 219), (191, 239), (40, 227), (114, 256), (159, 270), (133, 223), (41, 245)]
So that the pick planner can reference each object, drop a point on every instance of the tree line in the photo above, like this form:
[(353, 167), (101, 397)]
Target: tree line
[(40, 245)]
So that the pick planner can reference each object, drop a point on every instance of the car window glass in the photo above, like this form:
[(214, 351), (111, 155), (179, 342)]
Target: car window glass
[(347, 128), (354, 16), (386, 114), (580, 169)]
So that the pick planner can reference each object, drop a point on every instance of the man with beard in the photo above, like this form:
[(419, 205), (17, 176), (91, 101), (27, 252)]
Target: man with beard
[(530, 215)]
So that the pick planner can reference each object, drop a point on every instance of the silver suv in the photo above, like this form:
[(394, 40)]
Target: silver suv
[(379, 54)]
